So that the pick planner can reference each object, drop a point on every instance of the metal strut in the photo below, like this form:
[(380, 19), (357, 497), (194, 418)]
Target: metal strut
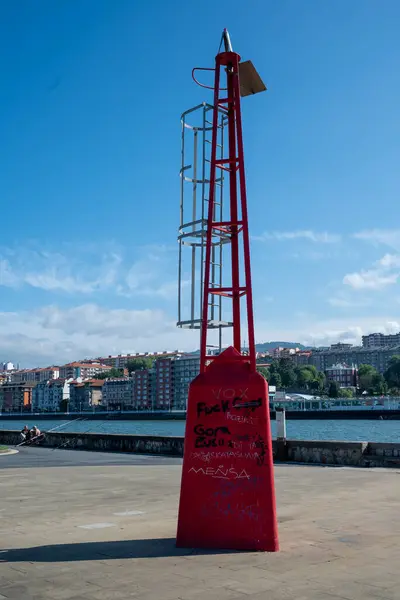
[(236, 227)]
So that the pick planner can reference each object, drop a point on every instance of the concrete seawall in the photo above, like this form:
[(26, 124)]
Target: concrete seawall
[(356, 454)]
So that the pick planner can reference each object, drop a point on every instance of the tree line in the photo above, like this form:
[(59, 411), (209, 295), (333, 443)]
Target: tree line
[(371, 381), (284, 374)]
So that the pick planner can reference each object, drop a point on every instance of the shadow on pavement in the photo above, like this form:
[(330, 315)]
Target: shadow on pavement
[(151, 548)]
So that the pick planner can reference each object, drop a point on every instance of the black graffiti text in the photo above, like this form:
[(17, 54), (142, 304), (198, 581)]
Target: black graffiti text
[(203, 408), (208, 437), (251, 405), (236, 404)]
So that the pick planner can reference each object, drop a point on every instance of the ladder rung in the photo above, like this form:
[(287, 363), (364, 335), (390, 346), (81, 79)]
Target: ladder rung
[(215, 203), (210, 142), (210, 122)]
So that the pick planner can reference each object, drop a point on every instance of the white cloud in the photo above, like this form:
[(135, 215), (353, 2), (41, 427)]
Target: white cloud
[(384, 273), (145, 278), (322, 237), (139, 274), (95, 320), (391, 327), (89, 270), (52, 335), (389, 261), (55, 272), (386, 237), (342, 301), (55, 335), (372, 279)]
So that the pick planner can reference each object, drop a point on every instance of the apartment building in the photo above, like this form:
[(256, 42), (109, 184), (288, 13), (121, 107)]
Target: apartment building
[(281, 352), (38, 395), (144, 389), (302, 358), (119, 394), (380, 340), (24, 375), (186, 368), (76, 370), (48, 396), (357, 355), (34, 375), (164, 383), (341, 346), (263, 356), (147, 389), (85, 395), (164, 387), (344, 375), (276, 352), (16, 397), (7, 366)]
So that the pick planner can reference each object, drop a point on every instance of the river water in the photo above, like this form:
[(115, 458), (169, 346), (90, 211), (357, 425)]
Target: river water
[(352, 430)]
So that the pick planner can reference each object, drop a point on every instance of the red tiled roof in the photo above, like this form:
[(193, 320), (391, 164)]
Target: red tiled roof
[(86, 366), (99, 382)]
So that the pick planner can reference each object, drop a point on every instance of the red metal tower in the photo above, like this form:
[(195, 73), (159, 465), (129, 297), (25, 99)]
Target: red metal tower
[(227, 494), (241, 80)]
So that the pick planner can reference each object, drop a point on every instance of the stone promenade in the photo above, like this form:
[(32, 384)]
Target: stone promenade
[(83, 526)]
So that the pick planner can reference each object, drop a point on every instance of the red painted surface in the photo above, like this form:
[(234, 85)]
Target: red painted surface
[(227, 494), (227, 98)]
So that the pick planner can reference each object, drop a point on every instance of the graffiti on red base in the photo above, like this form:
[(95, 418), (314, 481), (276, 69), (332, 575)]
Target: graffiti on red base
[(220, 472), (237, 403), (208, 455), (210, 437), (242, 419)]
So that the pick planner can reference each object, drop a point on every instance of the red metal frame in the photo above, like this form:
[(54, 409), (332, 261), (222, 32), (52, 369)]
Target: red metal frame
[(238, 223)]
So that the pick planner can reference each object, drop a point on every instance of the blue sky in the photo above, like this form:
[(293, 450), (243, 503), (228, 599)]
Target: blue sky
[(91, 96)]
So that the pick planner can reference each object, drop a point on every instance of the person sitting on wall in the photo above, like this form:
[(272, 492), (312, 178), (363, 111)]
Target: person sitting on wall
[(25, 434), (36, 435)]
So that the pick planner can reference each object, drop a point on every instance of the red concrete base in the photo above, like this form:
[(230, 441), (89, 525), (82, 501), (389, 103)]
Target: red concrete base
[(227, 494)]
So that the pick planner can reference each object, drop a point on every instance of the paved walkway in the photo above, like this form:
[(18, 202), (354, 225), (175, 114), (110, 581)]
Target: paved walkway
[(98, 531)]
